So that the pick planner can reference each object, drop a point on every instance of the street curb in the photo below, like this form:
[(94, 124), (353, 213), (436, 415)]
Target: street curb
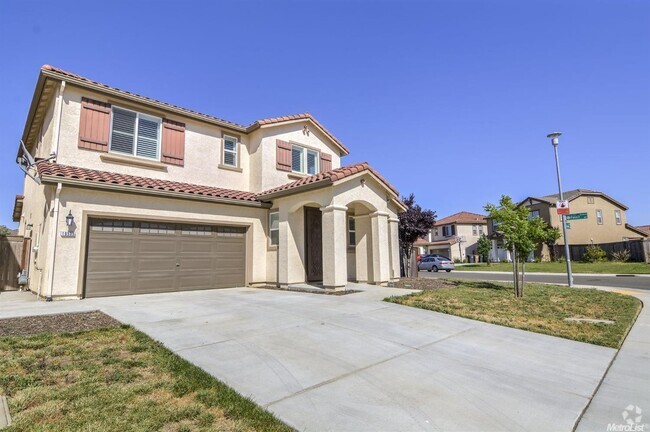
[(556, 274)]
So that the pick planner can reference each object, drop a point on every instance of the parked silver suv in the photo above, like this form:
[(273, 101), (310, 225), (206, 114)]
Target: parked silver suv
[(435, 263)]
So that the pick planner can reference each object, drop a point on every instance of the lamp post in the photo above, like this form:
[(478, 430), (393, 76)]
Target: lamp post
[(554, 136)]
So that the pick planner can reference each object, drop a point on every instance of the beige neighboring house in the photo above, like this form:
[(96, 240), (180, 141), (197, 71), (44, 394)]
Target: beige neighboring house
[(595, 218), (132, 195), (454, 236)]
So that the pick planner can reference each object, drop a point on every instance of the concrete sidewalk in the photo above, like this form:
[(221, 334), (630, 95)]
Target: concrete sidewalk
[(626, 385)]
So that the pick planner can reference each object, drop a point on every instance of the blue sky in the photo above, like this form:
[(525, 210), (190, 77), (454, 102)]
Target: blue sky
[(450, 100)]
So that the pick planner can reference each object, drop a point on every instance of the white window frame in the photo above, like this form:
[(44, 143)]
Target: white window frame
[(304, 151), (599, 217), (474, 230), (234, 152), (352, 231), (135, 134), (271, 214), (617, 215), (480, 230)]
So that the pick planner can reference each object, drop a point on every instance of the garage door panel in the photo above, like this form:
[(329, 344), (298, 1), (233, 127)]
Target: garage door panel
[(156, 263), (160, 245), (126, 257)]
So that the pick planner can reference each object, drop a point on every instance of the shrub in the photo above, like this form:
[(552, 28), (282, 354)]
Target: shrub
[(622, 255), (594, 254)]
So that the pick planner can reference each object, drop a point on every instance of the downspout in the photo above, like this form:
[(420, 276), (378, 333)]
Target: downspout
[(57, 126), (52, 242)]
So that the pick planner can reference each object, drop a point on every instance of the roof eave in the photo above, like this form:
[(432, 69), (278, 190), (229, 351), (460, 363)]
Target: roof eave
[(298, 189), (53, 179)]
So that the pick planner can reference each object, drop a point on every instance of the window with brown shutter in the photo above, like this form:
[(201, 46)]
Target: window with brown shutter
[(325, 162), (283, 155), (94, 125), (173, 142)]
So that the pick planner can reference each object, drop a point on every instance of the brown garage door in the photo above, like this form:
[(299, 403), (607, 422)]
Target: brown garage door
[(131, 257)]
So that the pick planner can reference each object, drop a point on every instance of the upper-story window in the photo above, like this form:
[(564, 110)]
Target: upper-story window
[(448, 230), (304, 160), (599, 217), (230, 151), (617, 215), (480, 230), (135, 134), (474, 230), (533, 214)]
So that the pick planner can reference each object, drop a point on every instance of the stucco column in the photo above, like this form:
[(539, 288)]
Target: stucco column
[(393, 232), (283, 248), (335, 266), (380, 248), (363, 248)]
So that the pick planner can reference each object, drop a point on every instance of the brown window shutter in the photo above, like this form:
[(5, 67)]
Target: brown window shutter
[(173, 142), (283, 155), (325, 162), (94, 125)]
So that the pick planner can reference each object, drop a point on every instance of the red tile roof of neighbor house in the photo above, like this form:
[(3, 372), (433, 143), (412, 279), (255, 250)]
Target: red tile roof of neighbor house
[(105, 177), (644, 228), (251, 127), (331, 176), (462, 218)]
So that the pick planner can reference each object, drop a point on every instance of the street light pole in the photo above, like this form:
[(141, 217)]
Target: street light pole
[(554, 136)]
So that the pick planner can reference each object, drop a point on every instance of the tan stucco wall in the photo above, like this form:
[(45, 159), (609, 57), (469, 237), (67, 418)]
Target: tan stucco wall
[(203, 149), (68, 273), (264, 174)]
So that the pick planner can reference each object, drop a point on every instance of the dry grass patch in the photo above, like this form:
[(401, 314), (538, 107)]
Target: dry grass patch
[(543, 308), (116, 379)]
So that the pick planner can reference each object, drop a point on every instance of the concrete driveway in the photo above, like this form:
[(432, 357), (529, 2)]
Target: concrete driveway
[(356, 363)]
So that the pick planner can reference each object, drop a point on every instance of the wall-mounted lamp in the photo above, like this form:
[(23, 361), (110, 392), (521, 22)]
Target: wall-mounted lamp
[(29, 226), (363, 182), (69, 219)]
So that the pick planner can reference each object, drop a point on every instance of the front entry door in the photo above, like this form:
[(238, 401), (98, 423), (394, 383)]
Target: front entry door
[(314, 243)]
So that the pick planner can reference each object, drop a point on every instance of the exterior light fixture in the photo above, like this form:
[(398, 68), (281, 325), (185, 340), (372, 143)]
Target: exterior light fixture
[(69, 219)]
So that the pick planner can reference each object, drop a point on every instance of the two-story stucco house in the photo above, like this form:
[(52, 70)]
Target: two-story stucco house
[(595, 218), (455, 236), (133, 195)]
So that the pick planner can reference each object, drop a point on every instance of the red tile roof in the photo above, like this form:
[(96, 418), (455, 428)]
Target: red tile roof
[(303, 116), (256, 124), (330, 177), (105, 177), (644, 228), (462, 218)]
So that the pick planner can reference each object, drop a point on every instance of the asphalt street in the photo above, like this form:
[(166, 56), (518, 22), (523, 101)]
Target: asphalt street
[(632, 282)]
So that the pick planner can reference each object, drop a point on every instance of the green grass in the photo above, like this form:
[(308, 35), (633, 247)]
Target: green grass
[(558, 267), (116, 380), (543, 308)]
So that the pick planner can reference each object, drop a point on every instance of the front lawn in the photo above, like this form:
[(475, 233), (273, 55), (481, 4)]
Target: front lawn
[(116, 379), (608, 267), (543, 308)]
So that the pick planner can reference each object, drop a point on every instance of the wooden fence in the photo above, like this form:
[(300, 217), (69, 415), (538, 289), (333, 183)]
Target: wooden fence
[(639, 249), (11, 261)]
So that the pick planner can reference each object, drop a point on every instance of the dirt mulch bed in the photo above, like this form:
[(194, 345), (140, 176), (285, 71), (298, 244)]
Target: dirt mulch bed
[(59, 323), (424, 284)]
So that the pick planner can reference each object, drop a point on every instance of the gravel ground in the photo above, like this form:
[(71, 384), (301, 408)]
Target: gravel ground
[(424, 284), (59, 323)]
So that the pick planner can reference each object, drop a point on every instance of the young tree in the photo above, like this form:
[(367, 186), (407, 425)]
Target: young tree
[(521, 235), (552, 235), (483, 247), (413, 224)]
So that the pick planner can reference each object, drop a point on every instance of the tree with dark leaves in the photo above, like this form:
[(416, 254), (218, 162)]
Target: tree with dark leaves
[(413, 224)]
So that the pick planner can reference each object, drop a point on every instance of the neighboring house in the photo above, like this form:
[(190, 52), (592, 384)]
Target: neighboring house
[(595, 218), (162, 198), (454, 236), (645, 229)]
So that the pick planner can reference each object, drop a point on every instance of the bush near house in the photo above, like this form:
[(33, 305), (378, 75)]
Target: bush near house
[(594, 254)]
